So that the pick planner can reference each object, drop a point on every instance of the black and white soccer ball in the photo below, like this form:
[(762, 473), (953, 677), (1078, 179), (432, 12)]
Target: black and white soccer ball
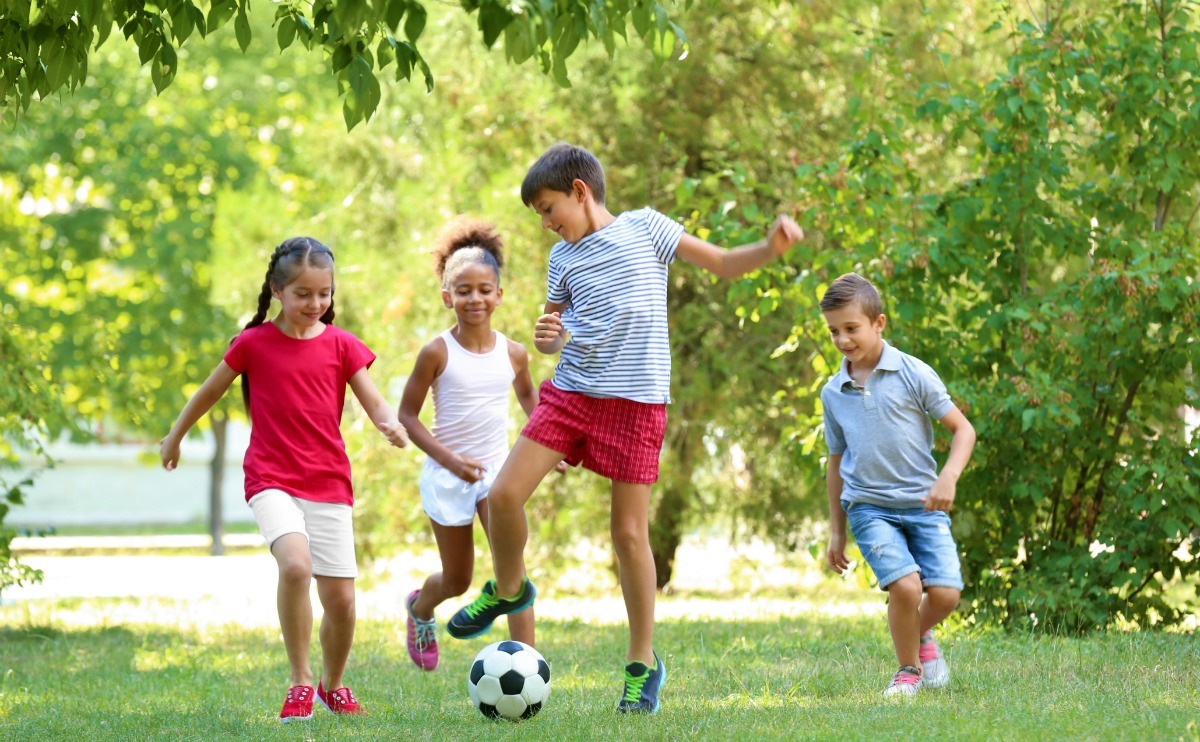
[(509, 680)]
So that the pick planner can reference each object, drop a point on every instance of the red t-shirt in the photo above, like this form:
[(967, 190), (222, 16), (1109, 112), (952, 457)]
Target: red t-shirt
[(297, 391)]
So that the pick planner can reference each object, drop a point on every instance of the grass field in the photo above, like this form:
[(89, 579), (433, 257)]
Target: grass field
[(739, 668)]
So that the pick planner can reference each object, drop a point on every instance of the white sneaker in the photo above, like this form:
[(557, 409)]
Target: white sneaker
[(906, 682), (937, 670)]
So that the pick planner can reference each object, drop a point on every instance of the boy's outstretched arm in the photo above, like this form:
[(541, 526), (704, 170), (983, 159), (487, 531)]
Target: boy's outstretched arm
[(941, 495), (740, 260), (836, 555)]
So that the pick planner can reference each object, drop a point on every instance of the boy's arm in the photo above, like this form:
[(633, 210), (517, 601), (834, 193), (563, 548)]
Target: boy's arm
[(209, 393), (377, 408), (836, 555), (941, 495), (740, 260), (549, 335)]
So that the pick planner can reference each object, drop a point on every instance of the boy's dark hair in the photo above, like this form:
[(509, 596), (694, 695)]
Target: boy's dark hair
[(852, 288), (560, 166)]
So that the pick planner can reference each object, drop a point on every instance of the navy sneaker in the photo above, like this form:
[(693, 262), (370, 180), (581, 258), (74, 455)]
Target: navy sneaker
[(477, 618), (642, 686)]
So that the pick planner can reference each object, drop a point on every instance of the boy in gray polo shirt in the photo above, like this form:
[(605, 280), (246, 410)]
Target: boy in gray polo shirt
[(882, 478)]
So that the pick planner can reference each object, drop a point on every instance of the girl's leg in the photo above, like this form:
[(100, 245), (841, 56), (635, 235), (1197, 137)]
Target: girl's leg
[(520, 625), (337, 627), (295, 608), (456, 547), (938, 603), (527, 464), (904, 618), (630, 526)]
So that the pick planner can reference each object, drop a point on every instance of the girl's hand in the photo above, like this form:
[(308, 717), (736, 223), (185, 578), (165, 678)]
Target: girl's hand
[(168, 447), (562, 467), (396, 434), (835, 556), (467, 469), (549, 327)]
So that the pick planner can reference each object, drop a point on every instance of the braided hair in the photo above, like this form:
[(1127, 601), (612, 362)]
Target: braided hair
[(291, 257), (466, 241)]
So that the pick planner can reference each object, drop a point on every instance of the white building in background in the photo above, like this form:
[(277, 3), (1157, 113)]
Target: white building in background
[(124, 484)]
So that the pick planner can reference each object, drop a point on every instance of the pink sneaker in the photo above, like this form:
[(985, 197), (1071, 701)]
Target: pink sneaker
[(937, 671), (906, 682), (340, 701), (298, 705), (422, 637)]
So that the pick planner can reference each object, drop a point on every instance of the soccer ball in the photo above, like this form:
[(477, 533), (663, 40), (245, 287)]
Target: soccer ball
[(509, 680)]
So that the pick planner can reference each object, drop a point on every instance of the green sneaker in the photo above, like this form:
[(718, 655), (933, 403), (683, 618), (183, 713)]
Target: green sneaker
[(477, 618), (642, 685)]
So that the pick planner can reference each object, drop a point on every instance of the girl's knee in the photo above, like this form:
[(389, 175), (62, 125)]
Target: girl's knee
[(455, 585), (295, 570), (630, 540)]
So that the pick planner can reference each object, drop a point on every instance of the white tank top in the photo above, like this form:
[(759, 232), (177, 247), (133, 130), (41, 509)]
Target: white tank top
[(470, 400)]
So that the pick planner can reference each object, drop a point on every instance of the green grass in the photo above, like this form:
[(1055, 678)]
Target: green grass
[(813, 676), (152, 529)]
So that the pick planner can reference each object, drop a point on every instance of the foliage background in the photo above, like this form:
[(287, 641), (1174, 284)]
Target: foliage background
[(1010, 177)]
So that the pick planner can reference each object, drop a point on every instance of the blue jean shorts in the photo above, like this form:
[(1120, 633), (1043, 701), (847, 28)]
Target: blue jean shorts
[(899, 541)]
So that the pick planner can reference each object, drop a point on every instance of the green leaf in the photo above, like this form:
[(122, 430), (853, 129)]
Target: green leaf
[(493, 19), (183, 22), (394, 13), (286, 33), (241, 28), (59, 61), (360, 75), (415, 23), (220, 13)]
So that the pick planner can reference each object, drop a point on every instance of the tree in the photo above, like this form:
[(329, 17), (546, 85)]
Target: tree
[(47, 47)]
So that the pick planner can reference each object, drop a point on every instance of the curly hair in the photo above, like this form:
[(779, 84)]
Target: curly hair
[(466, 241)]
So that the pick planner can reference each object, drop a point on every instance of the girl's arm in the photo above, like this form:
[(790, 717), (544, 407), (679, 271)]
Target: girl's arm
[(941, 495), (549, 335), (836, 555), (431, 361), (740, 260), (527, 393), (377, 408), (209, 393)]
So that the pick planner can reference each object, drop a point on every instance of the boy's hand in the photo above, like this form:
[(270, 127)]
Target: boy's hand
[(835, 556), (784, 233), (396, 434), (549, 328), (466, 468), (941, 495), (169, 449), (562, 467)]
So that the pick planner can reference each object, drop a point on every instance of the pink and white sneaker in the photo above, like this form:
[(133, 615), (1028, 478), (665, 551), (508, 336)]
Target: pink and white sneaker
[(298, 705), (937, 671), (421, 636), (906, 682), (340, 701)]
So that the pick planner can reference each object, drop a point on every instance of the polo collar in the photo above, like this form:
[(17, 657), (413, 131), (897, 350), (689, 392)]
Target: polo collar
[(889, 360)]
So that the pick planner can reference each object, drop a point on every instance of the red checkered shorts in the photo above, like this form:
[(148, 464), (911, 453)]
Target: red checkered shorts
[(617, 438)]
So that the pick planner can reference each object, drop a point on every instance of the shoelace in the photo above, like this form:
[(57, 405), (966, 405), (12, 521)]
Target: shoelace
[(298, 693), (929, 648), (633, 686), (904, 677), (342, 697), (482, 603), (426, 633)]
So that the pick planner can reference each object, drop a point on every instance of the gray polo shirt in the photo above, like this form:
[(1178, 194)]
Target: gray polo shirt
[(884, 432)]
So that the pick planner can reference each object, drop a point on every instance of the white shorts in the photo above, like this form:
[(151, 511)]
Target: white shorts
[(328, 526), (448, 500)]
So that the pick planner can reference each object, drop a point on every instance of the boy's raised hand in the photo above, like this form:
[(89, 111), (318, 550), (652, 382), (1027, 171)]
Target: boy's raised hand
[(784, 233), (549, 333)]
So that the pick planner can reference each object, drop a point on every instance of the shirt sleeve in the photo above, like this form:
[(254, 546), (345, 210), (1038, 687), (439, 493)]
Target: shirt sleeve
[(934, 398), (835, 440), (556, 290), (355, 356), (235, 355), (664, 233)]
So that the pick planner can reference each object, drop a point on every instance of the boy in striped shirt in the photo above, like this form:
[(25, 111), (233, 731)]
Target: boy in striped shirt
[(605, 408)]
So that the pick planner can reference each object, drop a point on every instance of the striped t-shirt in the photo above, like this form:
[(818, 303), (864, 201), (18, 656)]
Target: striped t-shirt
[(614, 283)]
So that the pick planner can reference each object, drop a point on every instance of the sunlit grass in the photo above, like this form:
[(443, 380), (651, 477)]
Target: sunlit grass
[(738, 669)]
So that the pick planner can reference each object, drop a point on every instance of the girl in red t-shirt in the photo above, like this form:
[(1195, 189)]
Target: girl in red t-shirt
[(297, 472)]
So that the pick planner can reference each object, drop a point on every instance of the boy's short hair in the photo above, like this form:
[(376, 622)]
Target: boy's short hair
[(560, 166), (852, 288)]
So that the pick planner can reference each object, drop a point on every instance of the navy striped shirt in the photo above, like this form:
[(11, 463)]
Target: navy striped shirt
[(614, 283)]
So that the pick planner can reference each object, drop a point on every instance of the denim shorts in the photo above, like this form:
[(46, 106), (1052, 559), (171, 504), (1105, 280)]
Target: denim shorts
[(899, 541)]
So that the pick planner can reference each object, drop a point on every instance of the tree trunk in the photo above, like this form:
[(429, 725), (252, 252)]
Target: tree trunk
[(216, 520), (666, 530)]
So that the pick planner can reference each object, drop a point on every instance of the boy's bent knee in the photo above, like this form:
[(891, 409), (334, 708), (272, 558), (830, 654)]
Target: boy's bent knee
[(907, 588)]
